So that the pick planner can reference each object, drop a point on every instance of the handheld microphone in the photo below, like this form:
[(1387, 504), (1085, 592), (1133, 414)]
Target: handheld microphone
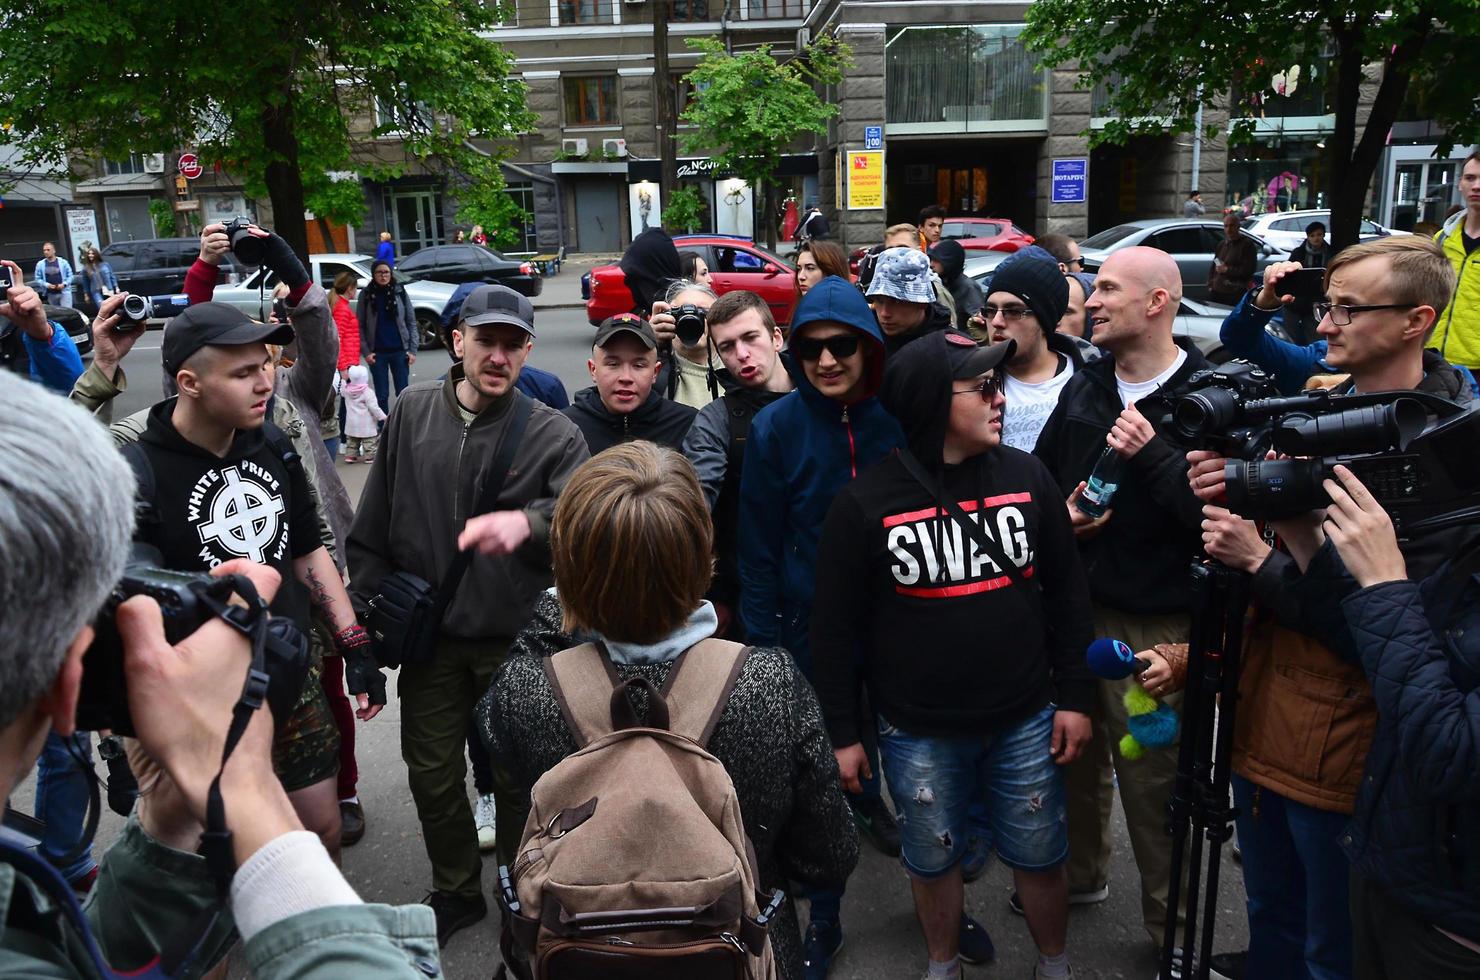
[(1113, 659)]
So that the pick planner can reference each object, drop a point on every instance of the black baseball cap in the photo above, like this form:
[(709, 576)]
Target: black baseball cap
[(967, 359), (497, 304), (216, 325), (626, 323)]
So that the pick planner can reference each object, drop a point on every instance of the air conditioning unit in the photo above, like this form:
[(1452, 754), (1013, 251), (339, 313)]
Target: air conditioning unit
[(154, 163), (577, 147), (614, 148)]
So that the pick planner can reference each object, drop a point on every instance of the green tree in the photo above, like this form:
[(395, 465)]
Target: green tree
[(278, 93), (684, 209), (1159, 61), (749, 108), (483, 200)]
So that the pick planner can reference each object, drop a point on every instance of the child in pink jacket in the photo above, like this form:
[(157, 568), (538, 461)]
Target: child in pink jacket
[(361, 415)]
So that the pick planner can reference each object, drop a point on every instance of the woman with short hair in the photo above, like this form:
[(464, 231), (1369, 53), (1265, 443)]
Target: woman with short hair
[(632, 547)]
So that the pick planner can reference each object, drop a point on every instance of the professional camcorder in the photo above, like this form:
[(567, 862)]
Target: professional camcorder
[(1418, 453), (188, 601)]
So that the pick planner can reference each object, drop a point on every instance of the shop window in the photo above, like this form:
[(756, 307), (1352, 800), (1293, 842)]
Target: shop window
[(586, 11), (1269, 91), (590, 100), (691, 10), (971, 79)]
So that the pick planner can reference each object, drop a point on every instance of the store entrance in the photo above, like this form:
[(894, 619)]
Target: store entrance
[(988, 178)]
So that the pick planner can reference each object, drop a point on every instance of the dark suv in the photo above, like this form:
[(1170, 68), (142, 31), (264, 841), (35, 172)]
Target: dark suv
[(152, 266)]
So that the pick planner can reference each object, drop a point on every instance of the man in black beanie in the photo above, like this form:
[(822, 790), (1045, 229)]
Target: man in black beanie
[(1028, 299)]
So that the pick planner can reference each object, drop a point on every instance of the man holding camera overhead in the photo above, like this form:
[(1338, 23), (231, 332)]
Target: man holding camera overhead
[(1307, 717), (296, 914)]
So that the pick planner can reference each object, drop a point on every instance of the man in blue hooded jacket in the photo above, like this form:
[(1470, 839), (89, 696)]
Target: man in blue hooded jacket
[(803, 449)]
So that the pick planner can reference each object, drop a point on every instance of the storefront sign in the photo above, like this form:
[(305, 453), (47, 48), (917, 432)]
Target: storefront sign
[(702, 167), (82, 226), (1070, 180), (865, 180)]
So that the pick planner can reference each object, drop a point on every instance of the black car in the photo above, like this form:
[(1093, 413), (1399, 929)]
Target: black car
[(77, 324), (13, 349), (471, 263), (156, 266)]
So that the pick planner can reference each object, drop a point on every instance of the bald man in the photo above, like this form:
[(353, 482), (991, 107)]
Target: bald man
[(1138, 555)]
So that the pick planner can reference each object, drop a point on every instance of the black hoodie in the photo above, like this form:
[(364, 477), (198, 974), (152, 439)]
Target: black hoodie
[(656, 420), (966, 291), (950, 644), (246, 504), (649, 265), (937, 319)]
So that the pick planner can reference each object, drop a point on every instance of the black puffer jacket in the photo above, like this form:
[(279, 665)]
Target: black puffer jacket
[(770, 740), (1416, 830), (656, 420)]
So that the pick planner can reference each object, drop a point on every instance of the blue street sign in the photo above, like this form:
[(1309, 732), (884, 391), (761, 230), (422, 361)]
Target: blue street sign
[(873, 137), (1070, 177)]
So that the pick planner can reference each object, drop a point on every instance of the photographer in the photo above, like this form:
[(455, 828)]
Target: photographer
[(30, 342), (692, 373), (297, 915)]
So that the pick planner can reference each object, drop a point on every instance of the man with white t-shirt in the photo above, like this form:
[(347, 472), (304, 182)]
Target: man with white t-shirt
[(1138, 556), (1027, 302)]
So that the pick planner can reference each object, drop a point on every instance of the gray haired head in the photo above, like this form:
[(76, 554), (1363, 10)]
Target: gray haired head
[(66, 520), (678, 286)]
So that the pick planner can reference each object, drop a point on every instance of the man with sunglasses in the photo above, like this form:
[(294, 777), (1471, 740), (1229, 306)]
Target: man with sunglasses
[(1028, 299), (964, 543), (803, 449)]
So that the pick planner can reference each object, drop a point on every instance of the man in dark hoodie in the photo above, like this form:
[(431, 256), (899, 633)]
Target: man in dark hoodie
[(1138, 556), (973, 715), (948, 260), (803, 449), (624, 403), (901, 296)]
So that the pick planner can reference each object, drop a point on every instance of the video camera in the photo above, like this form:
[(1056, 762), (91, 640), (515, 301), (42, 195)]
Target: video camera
[(1416, 452), (188, 601), (137, 309)]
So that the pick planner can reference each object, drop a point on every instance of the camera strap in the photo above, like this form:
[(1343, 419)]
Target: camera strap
[(973, 530)]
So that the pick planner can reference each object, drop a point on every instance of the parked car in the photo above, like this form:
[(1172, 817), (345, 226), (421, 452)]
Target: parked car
[(471, 263), (980, 267), (1286, 229), (253, 295), (154, 266), (734, 263), (974, 234), (1190, 241)]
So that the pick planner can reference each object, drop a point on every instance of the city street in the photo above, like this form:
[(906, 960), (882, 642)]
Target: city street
[(882, 938)]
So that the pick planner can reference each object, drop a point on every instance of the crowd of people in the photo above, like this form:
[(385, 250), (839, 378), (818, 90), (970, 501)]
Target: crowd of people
[(835, 565)]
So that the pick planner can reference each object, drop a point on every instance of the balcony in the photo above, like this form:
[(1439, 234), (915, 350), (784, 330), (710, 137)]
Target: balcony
[(977, 79)]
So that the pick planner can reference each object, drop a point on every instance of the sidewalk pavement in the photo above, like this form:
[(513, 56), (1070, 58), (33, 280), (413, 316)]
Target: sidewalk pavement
[(562, 291)]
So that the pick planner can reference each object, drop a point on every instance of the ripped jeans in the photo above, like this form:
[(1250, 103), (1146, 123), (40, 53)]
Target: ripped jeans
[(935, 780)]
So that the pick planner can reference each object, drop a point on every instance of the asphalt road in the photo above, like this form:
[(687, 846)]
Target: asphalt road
[(882, 939)]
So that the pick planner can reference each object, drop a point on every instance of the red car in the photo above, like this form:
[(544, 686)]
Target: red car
[(734, 263), (974, 234)]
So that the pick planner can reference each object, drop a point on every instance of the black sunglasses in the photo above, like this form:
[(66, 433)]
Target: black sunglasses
[(841, 346), (988, 389)]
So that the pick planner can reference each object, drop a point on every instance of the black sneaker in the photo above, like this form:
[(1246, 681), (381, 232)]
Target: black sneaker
[(454, 912), (975, 944), (823, 942), (876, 823), (1228, 966)]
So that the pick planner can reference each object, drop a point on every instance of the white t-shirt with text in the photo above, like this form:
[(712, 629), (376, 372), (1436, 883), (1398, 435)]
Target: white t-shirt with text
[(1030, 405)]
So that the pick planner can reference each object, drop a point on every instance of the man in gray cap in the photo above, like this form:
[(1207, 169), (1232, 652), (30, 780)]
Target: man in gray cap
[(1027, 301), (903, 299), (416, 514)]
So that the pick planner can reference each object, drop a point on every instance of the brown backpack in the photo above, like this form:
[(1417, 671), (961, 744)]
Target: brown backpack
[(634, 861)]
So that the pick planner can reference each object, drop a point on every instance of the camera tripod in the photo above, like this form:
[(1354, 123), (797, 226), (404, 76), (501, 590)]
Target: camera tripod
[(1199, 808)]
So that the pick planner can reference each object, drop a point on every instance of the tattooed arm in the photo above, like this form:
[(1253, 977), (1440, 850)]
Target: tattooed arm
[(330, 600)]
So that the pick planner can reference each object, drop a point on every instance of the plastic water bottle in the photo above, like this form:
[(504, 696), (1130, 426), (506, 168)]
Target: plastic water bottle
[(1100, 487)]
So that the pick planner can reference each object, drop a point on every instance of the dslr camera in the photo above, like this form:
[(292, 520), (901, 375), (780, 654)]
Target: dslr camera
[(1416, 452), (244, 245), (188, 601), (688, 323), (138, 309)]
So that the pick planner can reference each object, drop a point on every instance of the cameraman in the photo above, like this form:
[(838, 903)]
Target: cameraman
[(297, 915)]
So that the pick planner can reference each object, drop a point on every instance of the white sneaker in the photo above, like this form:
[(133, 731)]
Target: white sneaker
[(484, 815)]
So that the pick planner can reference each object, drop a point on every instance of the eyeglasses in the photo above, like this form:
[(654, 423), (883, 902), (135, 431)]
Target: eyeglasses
[(987, 389), (989, 312), (1341, 315), (840, 346), (1076, 260)]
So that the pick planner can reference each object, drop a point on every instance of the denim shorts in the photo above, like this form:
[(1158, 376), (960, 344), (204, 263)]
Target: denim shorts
[(935, 780)]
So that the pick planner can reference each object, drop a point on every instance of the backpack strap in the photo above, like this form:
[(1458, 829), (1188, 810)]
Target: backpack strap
[(583, 680), (699, 686)]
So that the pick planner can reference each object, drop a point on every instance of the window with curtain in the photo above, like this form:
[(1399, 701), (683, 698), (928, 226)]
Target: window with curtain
[(960, 77), (693, 9), (586, 11), (590, 100)]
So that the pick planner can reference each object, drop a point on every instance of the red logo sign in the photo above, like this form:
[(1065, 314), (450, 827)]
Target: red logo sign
[(190, 166)]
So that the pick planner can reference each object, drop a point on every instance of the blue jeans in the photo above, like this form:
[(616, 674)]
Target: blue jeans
[(1296, 886), (61, 802), (1011, 773), (331, 446), (389, 364)]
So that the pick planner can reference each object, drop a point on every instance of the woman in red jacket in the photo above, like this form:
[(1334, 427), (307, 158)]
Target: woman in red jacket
[(346, 286)]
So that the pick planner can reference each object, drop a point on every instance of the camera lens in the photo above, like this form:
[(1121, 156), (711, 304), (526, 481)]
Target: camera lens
[(1209, 410), (1274, 488), (1354, 430), (246, 246), (135, 307), (688, 324)]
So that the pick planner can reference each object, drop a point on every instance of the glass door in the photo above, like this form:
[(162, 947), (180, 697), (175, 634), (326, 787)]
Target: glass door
[(418, 220)]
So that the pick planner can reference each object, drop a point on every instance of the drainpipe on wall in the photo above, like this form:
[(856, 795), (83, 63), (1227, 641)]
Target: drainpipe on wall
[(1197, 138)]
